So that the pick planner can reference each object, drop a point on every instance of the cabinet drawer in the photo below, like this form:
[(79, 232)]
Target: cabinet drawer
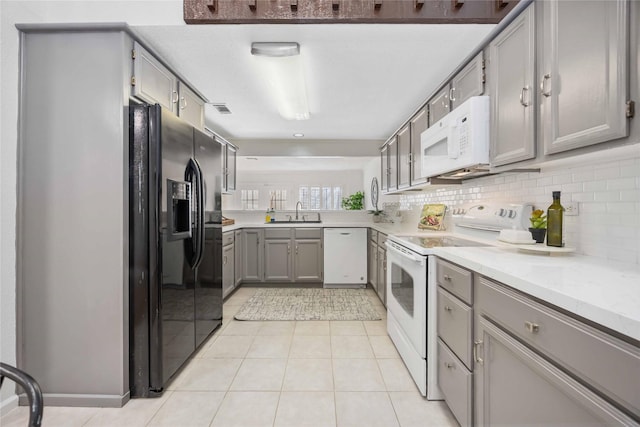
[(228, 238), (603, 361), (454, 325), (382, 238), (455, 383), (373, 235), (277, 233), (308, 233), (455, 279)]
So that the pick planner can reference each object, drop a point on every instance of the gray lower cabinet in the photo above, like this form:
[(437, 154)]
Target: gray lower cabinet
[(573, 373), (278, 260), (382, 274), (308, 260), (252, 255), (238, 257), (228, 267), (513, 91), (373, 264), (582, 72)]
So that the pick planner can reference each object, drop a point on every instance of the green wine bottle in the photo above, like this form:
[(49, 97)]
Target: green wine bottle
[(555, 214)]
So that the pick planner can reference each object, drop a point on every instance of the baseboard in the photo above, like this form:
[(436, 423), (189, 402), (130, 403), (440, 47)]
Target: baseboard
[(80, 400), (8, 404)]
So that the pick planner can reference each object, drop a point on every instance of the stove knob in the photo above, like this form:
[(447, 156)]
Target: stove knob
[(512, 213), (502, 212)]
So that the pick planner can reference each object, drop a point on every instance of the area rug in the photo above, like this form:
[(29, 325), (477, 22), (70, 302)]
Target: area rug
[(308, 304)]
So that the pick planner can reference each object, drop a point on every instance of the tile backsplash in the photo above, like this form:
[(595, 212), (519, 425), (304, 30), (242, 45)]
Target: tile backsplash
[(607, 194)]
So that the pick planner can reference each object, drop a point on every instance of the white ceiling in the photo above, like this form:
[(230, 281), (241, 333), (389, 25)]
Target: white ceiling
[(363, 80)]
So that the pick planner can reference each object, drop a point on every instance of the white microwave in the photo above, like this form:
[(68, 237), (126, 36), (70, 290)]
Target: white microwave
[(458, 144)]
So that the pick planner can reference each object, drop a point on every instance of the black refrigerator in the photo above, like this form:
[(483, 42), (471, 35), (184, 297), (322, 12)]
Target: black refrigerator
[(175, 245)]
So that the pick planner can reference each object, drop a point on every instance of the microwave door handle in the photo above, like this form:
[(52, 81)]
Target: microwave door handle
[(453, 145)]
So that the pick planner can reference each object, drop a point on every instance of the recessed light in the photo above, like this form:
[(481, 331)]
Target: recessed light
[(298, 135)]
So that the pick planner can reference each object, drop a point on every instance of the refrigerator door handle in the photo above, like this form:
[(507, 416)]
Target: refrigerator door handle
[(191, 247), (200, 214)]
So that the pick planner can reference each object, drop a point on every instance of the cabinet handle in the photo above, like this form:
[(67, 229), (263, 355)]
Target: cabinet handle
[(532, 327), (543, 85), (184, 103), (174, 96), (452, 98), (296, 249), (449, 365), (522, 92), (477, 344), (224, 260), (447, 277), (288, 249), (447, 308)]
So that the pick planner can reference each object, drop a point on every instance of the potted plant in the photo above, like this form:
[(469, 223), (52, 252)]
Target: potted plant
[(354, 202), (377, 215), (538, 227)]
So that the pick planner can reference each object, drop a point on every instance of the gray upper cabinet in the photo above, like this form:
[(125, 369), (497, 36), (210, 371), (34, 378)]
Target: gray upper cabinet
[(468, 82), (252, 255), (384, 168), (153, 82), (404, 157), (418, 124), (439, 105), (513, 91), (392, 159), (582, 72), (229, 168), (190, 106)]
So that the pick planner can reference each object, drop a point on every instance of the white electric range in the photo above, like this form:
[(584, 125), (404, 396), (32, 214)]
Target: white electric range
[(412, 286)]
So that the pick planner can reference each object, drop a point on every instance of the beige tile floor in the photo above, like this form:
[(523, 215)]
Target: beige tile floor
[(277, 374)]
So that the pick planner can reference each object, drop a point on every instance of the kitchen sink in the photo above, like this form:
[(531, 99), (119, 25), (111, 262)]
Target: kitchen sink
[(295, 221)]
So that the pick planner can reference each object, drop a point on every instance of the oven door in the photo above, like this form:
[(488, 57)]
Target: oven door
[(407, 294)]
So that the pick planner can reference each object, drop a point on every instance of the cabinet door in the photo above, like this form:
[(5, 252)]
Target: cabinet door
[(373, 265), (384, 169), (190, 106), (439, 105), (252, 255), (308, 260), (583, 73), (515, 386), (153, 82), (238, 257), (404, 157), (419, 123), (229, 171), (392, 156), (382, 275), (228, 269), (468, 82), (277, 260), (513, 91)]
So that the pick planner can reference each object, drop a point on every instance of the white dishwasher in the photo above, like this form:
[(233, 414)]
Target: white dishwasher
[(345, 257)]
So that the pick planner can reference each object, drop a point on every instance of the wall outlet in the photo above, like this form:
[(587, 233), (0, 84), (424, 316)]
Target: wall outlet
[(571, 209)]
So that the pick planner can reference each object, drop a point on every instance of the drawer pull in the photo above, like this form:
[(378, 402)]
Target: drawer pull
[(477, 344), (532, 327), (447, 308), (449, 365), (447, 277)]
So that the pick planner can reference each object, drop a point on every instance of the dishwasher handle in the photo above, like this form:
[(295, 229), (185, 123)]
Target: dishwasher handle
[(404, 253)]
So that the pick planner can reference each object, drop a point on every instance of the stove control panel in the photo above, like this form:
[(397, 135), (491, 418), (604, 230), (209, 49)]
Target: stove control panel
[(496, 217)]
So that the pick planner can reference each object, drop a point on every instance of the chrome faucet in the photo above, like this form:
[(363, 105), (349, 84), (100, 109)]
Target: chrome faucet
[(298, 204)]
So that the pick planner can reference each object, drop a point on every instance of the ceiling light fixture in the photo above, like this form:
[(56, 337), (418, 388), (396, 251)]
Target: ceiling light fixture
[(298, 135), (280, 65)]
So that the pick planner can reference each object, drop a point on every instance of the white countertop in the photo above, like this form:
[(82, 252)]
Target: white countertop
[(605, 292), (387, 228)]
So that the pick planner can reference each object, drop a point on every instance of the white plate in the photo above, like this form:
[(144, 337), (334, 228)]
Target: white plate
[(518, 242)]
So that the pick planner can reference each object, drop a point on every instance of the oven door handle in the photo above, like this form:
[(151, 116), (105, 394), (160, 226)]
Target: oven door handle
[(408, 255)]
